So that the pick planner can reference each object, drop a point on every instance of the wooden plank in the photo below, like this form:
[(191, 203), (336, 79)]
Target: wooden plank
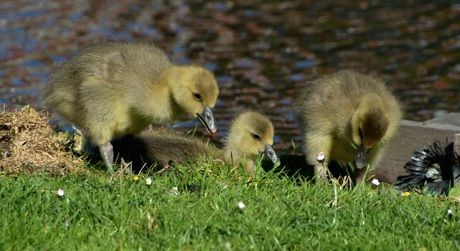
[(457, 144), (415, 135)]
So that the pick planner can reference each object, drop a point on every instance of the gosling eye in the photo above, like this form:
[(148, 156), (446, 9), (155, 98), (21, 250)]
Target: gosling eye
[(256, 136), (197, 96)]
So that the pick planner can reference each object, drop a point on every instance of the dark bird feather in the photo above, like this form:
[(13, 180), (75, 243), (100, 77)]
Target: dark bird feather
[(435, 169)]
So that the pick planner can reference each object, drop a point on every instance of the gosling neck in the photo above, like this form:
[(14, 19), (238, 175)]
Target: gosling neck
[(234, 155), (157, 102), (236, 158), (169, 79)]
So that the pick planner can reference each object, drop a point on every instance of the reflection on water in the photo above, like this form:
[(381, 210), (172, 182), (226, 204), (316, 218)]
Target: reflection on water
[(261, 53)]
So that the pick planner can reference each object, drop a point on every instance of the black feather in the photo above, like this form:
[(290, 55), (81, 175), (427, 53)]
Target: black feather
[(435, 169)]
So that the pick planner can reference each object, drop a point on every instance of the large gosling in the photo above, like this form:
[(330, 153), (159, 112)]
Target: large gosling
[(119, 88), (349, 116), (250, 135)]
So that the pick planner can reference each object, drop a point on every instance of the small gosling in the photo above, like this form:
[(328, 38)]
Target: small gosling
[(250, 135), (119, 88), (349, 116)]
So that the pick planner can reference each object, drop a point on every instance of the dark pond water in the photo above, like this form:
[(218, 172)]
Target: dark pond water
[(262, 53)]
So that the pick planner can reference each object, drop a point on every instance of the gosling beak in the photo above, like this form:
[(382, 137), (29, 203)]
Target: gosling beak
[(361, 157), (270, 154), (207, 119)]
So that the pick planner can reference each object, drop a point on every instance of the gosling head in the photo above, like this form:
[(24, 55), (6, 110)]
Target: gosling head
[(251, 134), (196, 91), (369, 125)]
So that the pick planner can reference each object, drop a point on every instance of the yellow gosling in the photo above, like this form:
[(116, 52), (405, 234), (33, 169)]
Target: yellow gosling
[(250, 135), (349, 116), (119, 88)]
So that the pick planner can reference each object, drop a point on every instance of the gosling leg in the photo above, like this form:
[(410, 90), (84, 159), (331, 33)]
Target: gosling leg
[(320, 172), (316, 144), (106, 151)]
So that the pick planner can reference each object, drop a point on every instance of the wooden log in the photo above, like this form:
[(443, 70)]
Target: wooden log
[(416, 135)]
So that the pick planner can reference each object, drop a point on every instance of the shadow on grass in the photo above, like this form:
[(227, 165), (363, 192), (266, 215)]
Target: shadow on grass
[(137, 152), (295, 166)]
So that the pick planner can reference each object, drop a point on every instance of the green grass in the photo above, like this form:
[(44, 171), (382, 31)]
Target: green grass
[(99, 212)]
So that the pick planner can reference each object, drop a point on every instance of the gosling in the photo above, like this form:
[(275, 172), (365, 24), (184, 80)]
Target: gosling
[(119, 88), (250, 135), (350, 117)]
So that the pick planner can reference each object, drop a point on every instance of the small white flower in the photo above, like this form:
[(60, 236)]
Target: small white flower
[(241, 205), (60, 192), (449, 211), (375, 182), (148, 181), (320, 157), (174, 191)]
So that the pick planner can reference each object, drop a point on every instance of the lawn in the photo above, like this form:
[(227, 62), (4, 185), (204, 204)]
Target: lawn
[(101, 212)]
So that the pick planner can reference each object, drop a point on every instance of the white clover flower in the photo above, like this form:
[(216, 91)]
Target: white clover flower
[(60, 192), (375, 182), (241, 205), (148, 181), (449, 211), (320, 157), (174, 191)]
